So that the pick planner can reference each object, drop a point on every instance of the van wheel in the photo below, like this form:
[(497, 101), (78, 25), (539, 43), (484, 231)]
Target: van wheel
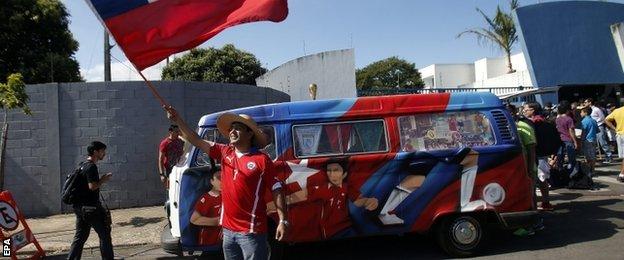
[(460, 236)]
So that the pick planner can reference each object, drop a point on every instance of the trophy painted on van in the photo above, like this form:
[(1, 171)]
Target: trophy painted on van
[(312, 89)]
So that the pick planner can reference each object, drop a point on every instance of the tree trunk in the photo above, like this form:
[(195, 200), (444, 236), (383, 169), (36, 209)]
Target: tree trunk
[(5, 131), (509, 66)]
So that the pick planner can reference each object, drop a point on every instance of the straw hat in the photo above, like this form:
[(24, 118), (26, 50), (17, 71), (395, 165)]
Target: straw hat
[(224, 122)]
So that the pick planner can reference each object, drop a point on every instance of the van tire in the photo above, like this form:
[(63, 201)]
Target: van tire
[(460, 235), (169, 243)]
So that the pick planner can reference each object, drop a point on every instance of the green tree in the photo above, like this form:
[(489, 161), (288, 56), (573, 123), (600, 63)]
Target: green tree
[(12, 95), (501, 31), (35, 41), (227, 65), (388, 73)]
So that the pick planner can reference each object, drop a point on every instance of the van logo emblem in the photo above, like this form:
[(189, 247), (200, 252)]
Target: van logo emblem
[(251, 165)]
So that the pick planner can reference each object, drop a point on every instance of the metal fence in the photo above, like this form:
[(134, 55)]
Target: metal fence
[(382, 92)]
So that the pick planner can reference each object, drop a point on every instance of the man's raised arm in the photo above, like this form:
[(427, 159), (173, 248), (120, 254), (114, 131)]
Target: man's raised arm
[(186, 132)]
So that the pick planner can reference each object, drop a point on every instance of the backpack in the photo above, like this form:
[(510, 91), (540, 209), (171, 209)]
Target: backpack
[(70, 191), (558, 179), (582, 180), (548, 140)]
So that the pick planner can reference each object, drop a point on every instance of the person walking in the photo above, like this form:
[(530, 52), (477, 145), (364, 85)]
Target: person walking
[(547, 143), (169, 152), (566, 129), (615, 121), (588, 137), (246, 173), (601, 136), (88, 208)]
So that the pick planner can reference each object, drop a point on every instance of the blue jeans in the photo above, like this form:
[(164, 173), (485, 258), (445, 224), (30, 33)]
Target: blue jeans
[(567, 149), (247, 246), (602, 140)]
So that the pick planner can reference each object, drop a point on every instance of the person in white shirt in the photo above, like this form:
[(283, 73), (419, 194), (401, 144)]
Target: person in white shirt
[(599, 116)]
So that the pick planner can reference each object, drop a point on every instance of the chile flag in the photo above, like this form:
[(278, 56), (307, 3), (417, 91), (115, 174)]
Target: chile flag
[(148, 31)]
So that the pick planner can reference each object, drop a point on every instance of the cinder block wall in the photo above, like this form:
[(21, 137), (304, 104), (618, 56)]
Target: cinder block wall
[(44, 147)]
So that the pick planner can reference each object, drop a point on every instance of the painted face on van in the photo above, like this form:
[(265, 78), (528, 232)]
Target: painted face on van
[(335, 174)]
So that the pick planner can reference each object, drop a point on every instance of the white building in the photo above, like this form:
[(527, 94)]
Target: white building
[(483, 73)]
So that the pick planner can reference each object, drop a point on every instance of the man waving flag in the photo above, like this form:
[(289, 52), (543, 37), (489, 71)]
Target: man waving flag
[(148, 31)]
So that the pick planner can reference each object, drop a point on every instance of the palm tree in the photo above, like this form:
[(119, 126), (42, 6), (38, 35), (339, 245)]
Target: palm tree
[(501, 31)]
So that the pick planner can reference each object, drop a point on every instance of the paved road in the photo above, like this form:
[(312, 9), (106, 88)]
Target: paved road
[(585, 225)]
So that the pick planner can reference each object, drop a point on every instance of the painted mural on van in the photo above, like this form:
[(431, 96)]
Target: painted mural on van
[(376, 165)]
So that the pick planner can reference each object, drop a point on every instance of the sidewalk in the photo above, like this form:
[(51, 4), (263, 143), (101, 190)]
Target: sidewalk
[(135, 226)]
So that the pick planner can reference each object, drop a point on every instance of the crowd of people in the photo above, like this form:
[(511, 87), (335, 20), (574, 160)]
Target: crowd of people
[(553, 136)]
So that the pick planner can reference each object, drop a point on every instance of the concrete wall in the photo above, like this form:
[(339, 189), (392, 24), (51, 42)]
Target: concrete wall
[(332, 71), (44, 147)]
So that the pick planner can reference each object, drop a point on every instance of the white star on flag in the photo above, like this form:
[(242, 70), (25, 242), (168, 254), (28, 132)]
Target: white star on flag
[(300, 173)]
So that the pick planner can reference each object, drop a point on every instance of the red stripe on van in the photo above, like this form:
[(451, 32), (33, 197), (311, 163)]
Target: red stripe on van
[(403, 103)]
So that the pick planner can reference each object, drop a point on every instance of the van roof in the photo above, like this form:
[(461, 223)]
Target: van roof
[(352, 108)]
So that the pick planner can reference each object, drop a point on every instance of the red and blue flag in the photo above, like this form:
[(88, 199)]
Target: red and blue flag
[(148, 31)]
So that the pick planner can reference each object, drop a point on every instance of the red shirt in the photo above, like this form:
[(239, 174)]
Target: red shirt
[(244, 182), (335, 210), (171, 150), (209, 206)]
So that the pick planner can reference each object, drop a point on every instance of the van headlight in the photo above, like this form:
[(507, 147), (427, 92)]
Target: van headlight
[(494, 194)]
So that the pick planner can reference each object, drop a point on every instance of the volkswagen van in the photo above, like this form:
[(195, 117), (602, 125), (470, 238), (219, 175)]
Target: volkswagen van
[(447, 163)]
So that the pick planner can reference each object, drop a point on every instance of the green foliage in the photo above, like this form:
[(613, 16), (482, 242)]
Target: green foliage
[(35, 41), (501, 31), (227, 65), (388, 73), (13, 94)]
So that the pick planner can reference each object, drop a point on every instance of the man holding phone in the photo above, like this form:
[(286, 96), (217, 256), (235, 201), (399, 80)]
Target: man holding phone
[(88, 207)]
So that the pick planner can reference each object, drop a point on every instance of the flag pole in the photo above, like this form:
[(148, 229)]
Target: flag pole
[(153, 89)]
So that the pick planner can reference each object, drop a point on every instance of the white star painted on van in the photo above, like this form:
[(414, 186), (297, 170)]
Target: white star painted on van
[(300, 173)]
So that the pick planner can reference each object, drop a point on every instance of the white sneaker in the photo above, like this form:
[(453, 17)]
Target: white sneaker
[(390, 219)]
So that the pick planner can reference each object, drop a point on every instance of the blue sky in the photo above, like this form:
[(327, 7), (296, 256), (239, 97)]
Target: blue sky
[(420, 31)]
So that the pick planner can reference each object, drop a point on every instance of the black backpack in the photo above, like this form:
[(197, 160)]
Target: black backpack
[(71, 187), (548, 140), (582, 180)]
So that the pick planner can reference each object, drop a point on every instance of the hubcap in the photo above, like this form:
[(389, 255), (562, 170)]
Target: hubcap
[(464, 232)]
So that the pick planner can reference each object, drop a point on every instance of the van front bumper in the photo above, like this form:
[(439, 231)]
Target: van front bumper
[(169, 243), (519, 219)]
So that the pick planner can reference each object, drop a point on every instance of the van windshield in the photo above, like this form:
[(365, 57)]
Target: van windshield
[(213, 135)]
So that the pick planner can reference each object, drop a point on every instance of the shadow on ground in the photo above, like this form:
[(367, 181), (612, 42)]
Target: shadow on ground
[(140, 221), (573, 222)]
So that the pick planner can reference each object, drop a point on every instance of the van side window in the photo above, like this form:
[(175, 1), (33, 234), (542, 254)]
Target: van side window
[(445, 131), (213, 135), (340, 138)]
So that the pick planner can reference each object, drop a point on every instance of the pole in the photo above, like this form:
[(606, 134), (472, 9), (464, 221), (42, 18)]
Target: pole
[(5, 131), (153, 89), (107, 61)]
